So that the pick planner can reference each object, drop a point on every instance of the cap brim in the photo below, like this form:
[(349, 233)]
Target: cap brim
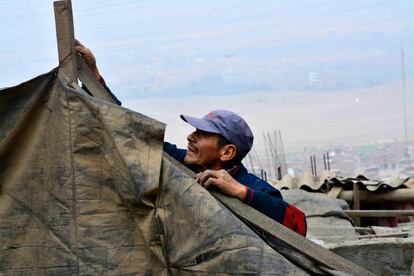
[(200, 124)]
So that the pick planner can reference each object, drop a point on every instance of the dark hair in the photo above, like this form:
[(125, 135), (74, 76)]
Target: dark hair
[(236, 160)]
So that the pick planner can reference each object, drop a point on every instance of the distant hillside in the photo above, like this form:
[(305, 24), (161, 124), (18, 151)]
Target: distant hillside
[(330, 63), (306, 119)]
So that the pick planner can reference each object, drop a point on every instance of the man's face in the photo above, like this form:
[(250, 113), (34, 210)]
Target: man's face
[(203, 150)]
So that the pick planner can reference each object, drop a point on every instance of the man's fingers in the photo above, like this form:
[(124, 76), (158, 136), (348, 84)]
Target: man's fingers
[(198, 176), (204, 176), (210, 181), (211, 173), (77, 43), (82, 50), (223, 181)]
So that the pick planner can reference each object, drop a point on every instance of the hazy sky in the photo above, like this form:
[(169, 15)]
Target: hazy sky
[(258, 58)]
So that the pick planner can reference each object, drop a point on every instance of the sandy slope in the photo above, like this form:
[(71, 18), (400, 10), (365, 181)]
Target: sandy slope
[(305, 118)]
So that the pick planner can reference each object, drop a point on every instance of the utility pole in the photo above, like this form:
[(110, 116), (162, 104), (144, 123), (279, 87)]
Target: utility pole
[(404, 92)]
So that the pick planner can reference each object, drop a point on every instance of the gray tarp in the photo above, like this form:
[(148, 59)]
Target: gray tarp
[(85, 189), (325, 215)]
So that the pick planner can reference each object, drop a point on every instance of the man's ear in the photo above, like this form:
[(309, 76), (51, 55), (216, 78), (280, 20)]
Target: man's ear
[(227, 152)]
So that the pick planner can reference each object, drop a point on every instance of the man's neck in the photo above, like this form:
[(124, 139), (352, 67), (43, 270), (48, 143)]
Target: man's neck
[(202, 168)]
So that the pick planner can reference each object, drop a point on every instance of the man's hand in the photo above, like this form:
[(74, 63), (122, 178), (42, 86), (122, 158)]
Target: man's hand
[(223, 181), (89, 58)]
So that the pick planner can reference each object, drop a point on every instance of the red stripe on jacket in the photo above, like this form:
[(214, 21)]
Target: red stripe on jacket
[(295, 220)]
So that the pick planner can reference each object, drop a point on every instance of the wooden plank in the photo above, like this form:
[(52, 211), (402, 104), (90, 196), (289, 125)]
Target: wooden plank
[(282, 234), (87, 78), (65, 39), (364, 230), (389, 235), (311, 250), (291, 239), (398, 195), (335, 191), (379, 213), (357, 203)]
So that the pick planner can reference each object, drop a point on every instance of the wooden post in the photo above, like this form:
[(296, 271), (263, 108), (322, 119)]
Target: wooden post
[(65, 39), (357, 203), (327, 159), (71, 65), (379, 213), (398, 195)]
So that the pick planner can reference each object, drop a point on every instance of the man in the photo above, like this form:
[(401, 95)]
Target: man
[(215, 150)]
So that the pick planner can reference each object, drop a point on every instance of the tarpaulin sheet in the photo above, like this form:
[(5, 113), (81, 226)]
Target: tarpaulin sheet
[(85, 189)]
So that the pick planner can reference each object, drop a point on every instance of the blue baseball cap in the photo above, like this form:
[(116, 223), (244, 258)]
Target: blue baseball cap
[(228, 124)]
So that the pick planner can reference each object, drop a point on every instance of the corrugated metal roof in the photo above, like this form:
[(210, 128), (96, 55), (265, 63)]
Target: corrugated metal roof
[(324, 182)]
